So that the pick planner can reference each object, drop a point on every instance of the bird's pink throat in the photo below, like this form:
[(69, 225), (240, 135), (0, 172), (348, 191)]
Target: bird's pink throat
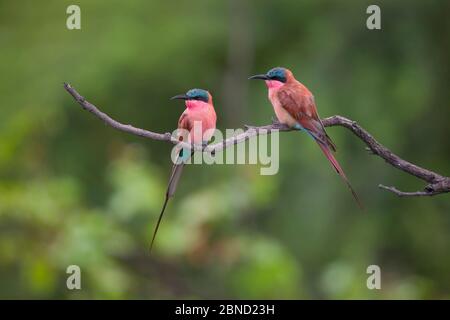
[(194, 104), (274, 84)]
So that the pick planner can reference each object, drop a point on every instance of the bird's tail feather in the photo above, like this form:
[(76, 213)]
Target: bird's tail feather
[(337, 167), (175, 175), (177, 169), (159, 221)]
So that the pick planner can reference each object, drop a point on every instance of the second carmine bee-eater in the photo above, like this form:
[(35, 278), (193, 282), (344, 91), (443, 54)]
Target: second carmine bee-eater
[(294, 106), (199, 121)]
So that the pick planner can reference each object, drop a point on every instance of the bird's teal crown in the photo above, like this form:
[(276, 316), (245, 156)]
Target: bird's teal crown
[(198, 94), (277, 73)]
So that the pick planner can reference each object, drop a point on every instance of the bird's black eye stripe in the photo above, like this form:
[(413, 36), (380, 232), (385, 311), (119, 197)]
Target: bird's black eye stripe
[(200, 98), (278, 78)]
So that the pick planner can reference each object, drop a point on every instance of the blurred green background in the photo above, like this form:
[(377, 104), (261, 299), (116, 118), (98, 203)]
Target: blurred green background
[(75, 191)]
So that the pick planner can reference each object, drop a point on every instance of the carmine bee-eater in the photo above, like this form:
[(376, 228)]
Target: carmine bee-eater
[(294, 106), (199, 121)]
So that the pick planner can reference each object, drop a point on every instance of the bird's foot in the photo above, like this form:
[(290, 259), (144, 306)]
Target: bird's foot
[(275, 122), (278, 125)]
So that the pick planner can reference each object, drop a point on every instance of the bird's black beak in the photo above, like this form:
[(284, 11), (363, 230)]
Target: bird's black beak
[(259, 76), (180, 97)]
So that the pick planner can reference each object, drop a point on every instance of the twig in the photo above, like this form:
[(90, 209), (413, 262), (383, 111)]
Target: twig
[(409, 194), (437, 184)]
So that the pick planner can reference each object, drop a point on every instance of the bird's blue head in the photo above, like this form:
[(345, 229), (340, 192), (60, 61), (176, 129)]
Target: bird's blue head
[(276, 74), (194, 94)]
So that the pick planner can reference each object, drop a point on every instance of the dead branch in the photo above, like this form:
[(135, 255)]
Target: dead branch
[(436, 183)]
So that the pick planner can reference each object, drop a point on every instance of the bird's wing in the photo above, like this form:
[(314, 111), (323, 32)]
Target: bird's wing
[(184, 122), (299, 102)]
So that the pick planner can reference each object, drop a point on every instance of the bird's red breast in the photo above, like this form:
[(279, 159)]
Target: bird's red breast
[(294, 104), (199, 119)]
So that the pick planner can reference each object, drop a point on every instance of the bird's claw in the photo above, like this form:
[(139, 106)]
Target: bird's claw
[(275, 122), (279, 126)]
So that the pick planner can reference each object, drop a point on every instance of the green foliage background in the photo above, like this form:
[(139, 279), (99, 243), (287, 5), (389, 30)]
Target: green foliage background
[(74, 191)]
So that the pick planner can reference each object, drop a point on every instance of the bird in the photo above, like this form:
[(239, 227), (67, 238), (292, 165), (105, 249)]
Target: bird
[(198, 122), (295, 107)]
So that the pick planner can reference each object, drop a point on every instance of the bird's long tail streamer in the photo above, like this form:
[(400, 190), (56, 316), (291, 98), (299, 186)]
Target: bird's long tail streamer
[(175, 175), (326, 150)]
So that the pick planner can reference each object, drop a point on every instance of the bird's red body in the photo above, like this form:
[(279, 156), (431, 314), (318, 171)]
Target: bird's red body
[(294, 106), (202, 114), (198, 121)]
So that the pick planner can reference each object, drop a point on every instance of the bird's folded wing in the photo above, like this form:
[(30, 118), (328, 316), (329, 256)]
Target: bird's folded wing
[(301, 107)]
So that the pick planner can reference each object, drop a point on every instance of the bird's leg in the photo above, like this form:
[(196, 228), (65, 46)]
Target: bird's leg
[(275, 122), (205, 145)]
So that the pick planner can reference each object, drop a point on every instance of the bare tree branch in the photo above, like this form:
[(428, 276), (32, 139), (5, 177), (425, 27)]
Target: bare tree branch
[(437, 184), (410, 194)]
